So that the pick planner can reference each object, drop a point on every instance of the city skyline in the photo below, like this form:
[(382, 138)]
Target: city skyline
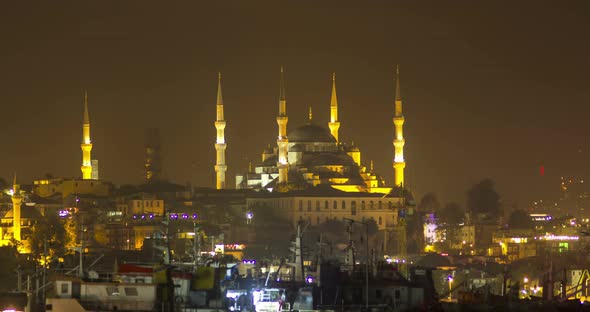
[(477, 104)]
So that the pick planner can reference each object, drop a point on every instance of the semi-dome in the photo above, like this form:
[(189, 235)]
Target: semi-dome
[(311, 133)]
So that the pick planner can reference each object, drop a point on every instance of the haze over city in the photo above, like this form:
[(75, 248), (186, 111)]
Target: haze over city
[(491, 90)]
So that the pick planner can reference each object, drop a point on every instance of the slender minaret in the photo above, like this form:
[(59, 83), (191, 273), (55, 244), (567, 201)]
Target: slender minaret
[(398, 143), (17, 200), (86, 143), (282, 140), (220, 146), (334, 124)]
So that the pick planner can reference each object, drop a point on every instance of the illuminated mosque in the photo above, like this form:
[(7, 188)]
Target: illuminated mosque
[(311, 155)]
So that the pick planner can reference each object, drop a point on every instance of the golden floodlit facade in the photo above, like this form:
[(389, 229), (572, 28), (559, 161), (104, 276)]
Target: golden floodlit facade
[(312, 155)]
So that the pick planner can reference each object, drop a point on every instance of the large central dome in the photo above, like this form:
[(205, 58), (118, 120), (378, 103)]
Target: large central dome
[(311, 133)]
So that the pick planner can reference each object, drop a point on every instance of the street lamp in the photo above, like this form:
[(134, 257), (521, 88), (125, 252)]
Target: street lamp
[(450, 287), (249, 217)]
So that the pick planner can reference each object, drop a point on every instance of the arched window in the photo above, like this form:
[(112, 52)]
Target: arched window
[(380, 205), (318, 220), (353, 208), (309, 205), (335, 205), (371, 205), (343, 205), (326, 204), (317, 205), (363, 205), (300, 205), (380, 220)]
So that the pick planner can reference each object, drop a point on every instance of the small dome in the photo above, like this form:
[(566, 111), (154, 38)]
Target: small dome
[(311, 133), (268, 150)]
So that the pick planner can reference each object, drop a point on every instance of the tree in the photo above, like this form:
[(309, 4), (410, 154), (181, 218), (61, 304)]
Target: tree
[(429, 203), (520, 219), (483, 202), (70, 237), (451, 214), (3, 184), (9, 260)]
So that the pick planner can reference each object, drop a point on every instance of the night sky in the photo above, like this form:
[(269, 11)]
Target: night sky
[(490, 88)]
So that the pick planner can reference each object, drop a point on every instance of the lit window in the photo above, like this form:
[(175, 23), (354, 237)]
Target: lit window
[(130, 291), (65, 288)]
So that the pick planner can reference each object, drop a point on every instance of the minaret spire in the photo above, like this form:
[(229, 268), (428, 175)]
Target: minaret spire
[(86, 145), (282, 140), (86, 115), (282, 96), (398, 94), (16, 210), (398, 143), (219, 94), (310, 115), (220, 145), (334, 124)]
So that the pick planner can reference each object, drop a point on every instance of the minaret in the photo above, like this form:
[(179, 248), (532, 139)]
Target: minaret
[(17, 200), (282, 141), (334, 124), (220, 146), (86, 143), (398, 143)]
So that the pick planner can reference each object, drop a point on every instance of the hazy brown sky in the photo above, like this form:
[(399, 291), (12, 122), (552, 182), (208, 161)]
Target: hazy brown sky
[(490, 88)]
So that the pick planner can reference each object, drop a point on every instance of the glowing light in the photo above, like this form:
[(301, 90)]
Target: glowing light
[(309, 279), (559, 237)]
